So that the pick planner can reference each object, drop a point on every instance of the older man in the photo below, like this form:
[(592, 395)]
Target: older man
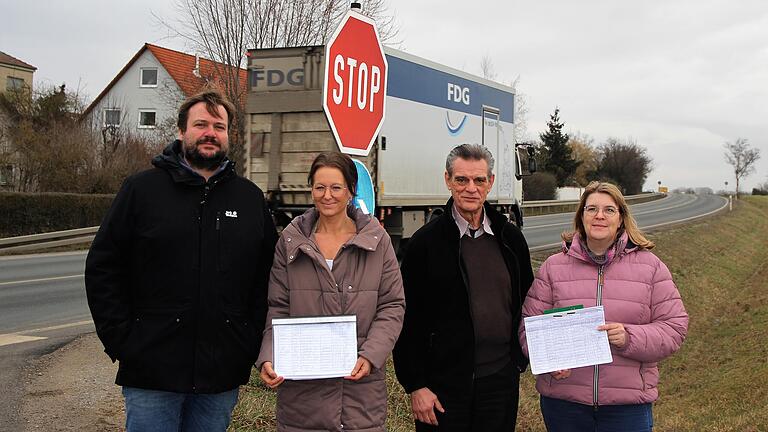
[(465, 275), (177, 278)]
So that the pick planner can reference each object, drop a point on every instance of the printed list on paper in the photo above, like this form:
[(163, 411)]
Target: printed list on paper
[(314, 347), (567, 340)]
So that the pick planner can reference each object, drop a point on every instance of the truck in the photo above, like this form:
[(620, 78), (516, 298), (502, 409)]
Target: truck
[(430, 109)]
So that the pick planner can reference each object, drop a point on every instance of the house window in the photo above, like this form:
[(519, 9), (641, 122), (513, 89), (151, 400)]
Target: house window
[(6, 175), (147, 118), (112, 117), (14, 83), (148, 77)]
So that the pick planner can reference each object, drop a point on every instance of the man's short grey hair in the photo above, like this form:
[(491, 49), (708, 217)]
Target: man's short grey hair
[(469, 152)]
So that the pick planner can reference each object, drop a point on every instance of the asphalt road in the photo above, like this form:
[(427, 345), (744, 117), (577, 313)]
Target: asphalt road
[(543, 232), (43, 305), (38, 291)]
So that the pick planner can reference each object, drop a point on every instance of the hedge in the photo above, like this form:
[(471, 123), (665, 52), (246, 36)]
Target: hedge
[(33, 213)]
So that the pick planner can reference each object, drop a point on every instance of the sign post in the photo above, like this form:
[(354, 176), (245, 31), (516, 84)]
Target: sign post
[(355, 86)]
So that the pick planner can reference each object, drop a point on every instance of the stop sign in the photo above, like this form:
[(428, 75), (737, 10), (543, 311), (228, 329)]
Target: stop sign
[(355, 86)]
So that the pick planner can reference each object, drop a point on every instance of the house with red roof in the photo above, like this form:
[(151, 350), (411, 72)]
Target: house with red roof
[(14, 73), (145, 95)]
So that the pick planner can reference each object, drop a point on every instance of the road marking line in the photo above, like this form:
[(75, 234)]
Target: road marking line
[(681, 204), (725, 204), (13, 338), (647, 227), (58, 327), (42, 255), (40, 280)]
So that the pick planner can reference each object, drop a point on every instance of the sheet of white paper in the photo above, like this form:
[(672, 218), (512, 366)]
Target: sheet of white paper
[(314, 347), (567, 340)]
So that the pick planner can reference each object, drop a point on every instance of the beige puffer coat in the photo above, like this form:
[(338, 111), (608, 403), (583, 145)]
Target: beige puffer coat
[(365, 281)]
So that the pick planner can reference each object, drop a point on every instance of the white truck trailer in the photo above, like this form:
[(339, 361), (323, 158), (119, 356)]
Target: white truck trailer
[(430, 109)]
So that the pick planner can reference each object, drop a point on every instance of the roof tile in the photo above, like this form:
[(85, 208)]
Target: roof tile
[(181, 66), (13, 61)]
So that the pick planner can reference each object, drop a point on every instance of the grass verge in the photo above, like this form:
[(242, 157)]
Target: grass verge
[(717, 382)]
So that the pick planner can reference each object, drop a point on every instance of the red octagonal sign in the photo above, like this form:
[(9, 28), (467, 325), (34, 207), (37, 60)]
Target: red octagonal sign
[(355, 87)]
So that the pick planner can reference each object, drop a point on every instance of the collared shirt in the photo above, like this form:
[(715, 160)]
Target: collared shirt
[(464, 225)]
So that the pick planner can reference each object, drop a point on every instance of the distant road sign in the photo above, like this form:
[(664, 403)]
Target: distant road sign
[(355, 86)]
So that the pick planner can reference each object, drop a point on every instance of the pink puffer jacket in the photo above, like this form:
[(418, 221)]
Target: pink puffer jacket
[(638, 292)]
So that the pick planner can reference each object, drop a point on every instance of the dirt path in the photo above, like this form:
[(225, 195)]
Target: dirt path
[(72, 389)]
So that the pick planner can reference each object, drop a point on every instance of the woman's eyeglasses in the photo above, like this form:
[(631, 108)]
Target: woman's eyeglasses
[(337, 190), (592, 210)]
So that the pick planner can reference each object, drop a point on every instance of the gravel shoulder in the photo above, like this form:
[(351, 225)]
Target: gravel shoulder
[(72, 389)]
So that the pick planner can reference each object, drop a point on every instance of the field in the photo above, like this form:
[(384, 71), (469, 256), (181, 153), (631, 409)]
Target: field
[(717, 382)]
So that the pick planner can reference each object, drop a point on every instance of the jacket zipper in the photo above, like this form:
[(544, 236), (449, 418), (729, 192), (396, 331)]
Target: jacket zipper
[(201, 209), (596, 374), (219, 240), (465, 279), (206, 192)]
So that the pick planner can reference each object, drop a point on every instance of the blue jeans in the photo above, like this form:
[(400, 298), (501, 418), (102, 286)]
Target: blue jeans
[(563, 416), (161, 411)]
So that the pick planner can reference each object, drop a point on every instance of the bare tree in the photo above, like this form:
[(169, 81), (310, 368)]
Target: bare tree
[(284, 23), (487, 69), (742, 158), (520, 127)]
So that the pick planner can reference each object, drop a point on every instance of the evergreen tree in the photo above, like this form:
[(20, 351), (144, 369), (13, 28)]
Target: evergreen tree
[(558, 158)]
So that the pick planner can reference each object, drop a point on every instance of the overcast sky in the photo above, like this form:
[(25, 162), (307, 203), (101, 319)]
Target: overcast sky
[(680, 77)]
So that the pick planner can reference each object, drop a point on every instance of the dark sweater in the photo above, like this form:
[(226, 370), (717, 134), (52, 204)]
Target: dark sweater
[(491, 302)]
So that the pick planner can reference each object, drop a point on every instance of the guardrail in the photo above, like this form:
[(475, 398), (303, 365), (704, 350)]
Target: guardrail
[(48, 240), (538, 208), (85, 235)]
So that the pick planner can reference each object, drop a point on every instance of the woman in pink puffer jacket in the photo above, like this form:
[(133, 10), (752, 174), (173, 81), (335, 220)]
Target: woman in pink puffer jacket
[(607, 261)]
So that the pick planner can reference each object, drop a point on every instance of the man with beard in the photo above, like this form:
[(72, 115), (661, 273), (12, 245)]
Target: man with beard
[(177, 275)]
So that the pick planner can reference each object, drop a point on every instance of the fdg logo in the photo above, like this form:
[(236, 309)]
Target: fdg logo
[(277, 77), (457, 93)]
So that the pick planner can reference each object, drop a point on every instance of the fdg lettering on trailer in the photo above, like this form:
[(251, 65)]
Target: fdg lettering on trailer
[(272, 74), (457, 93), (276, 77)]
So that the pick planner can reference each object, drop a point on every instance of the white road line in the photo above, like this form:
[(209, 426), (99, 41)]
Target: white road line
[(58, 327), (28, 281), (681, 204), (647, 227), (13, 338), (23, 335), (725, 203), (42, 255), (528, 227), (545, 247)]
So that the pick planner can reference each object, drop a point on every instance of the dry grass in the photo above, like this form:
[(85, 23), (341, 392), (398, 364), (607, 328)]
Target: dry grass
[(717, 382)]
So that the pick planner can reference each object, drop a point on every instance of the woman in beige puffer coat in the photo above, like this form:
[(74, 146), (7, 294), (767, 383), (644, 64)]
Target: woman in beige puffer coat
[(336, 260)]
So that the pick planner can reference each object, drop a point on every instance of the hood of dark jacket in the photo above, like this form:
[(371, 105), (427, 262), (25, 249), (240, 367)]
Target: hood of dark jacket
[(170, 160)]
